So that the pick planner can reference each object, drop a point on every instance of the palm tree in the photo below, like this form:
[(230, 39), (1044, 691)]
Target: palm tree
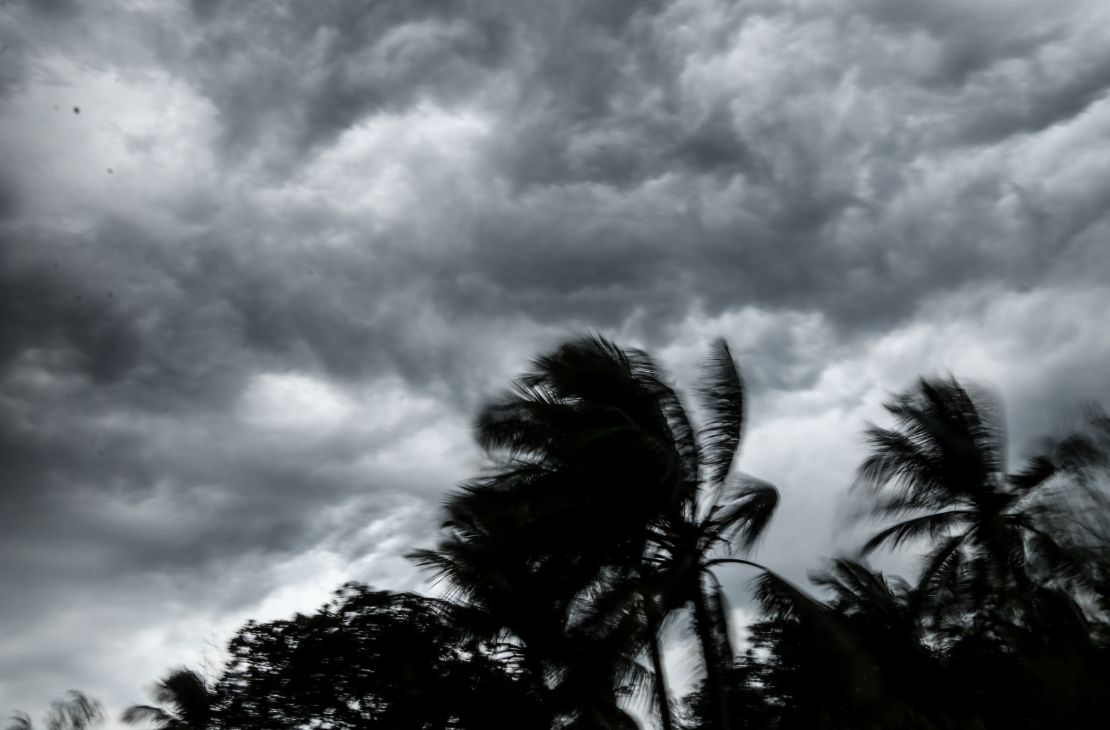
[(77, 712), (854, 659), (600, 482), (585, 458), (703, 536), (885, 606), (499, 594), (942, 471), (184, 703), (20, 721), (718, 513)]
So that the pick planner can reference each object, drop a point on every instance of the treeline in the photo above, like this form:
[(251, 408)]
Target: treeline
[(607, 513)]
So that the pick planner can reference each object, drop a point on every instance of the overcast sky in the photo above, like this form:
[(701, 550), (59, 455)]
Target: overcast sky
[(261, 263)]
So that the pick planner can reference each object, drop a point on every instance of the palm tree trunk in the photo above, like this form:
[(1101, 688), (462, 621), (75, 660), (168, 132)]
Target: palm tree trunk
[(662, 696), (707, 636)]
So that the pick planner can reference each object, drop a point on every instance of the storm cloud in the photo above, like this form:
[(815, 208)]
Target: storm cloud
[(260, 263)]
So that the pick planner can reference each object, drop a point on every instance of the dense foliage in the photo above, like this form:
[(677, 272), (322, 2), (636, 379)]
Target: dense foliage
[(603, 518), (370, 659)]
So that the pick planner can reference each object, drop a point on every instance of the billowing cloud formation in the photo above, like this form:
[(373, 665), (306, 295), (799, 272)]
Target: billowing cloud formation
[(261, 262)]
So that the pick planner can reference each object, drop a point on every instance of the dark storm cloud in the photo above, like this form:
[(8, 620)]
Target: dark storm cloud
[(787, 223), (123, 360), (588, 107), (45, 306), (291, 77)]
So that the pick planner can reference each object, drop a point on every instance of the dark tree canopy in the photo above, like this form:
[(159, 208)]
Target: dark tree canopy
[(370, 659)]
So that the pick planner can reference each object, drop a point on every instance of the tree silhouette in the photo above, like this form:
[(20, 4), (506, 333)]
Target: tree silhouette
[(602, 484), (716, 516), (585, 459), (184, 703), (942, 470), (77, 712), (369, 659)]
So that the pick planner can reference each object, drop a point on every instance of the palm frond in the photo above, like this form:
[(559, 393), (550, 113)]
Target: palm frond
[(884, 507), (188, 693), (1052, 560), (683, 437), (722, 397), (465, 568), (524, 425), (470, 623), (136, 714), (780, 598), (1037, 471), (77, 712), (899, 460), (508, 497), (948, 444), (932, 525), (939, 580), (861, 592), (1083, 453), (20, 721), (849, 580), (594, 370), (610, 605), (746, 516)]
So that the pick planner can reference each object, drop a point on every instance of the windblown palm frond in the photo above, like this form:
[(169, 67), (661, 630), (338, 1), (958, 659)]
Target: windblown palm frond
[(745, 517), (20, 721), (148, 714), (1038, 470), (781, 599), (932, 526), (77, 712), (184, 703), (880, 603), (722, 397)]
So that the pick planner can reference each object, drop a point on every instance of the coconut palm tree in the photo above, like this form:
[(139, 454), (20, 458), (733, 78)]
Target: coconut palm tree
[(601, 481), (497, 593), (884, 606), (184, 702), (584, 458), (720, 513), (941, 471), (77, 712), (688, 549), (855, 658)]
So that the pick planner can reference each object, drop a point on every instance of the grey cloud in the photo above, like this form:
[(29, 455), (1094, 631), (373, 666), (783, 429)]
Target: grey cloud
[(291, 77), (606, 110), (45, 307), (55, 7)]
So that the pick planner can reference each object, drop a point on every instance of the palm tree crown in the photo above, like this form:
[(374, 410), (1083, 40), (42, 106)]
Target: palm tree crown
[(184, 702), (601, 482), (942, 471)]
